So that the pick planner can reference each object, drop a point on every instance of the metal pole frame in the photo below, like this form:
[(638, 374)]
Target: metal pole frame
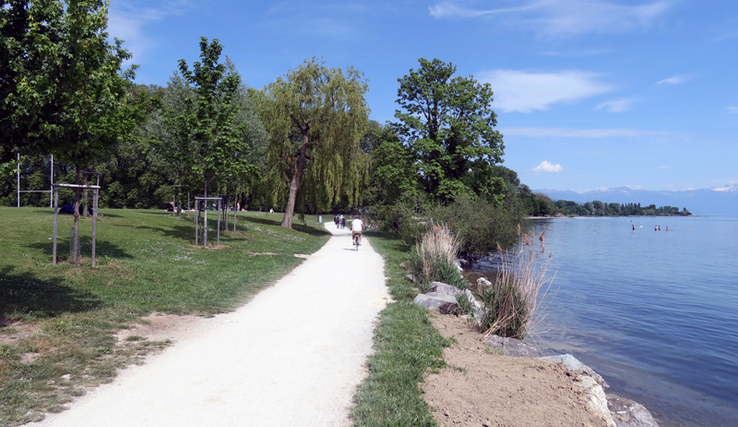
[(204, 227), (197, 222), (95, 198), (56, 222), (96, 189), (18, 182), (220, 204), (51, 183), (235, 213)]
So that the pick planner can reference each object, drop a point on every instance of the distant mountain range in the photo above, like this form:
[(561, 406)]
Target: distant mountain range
[(716, 201)]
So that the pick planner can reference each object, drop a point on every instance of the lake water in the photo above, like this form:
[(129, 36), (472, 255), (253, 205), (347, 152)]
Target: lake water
[(654, 312)]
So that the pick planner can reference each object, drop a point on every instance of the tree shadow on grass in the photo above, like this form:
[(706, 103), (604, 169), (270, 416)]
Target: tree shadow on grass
[(186, 232), (23, 293), (102, 248), (50, 212), (302, 228)]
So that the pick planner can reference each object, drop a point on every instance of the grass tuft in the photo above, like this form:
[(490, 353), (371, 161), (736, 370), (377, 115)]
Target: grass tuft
[(435, 255), (512, 304)]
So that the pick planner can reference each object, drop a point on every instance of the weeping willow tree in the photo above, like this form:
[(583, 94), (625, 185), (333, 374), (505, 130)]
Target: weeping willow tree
[(316, 117)]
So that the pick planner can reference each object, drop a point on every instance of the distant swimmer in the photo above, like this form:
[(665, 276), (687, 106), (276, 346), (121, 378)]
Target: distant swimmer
[(634, 227), (655, 228), (667, 228)]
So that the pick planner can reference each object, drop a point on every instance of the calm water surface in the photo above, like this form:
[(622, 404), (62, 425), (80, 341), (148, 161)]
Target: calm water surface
[(654, 312)]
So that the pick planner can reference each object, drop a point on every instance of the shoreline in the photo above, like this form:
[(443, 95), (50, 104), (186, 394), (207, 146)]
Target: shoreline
[(525, 387)]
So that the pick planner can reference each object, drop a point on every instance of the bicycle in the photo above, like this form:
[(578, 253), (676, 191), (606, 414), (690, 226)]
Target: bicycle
[(356, 241)]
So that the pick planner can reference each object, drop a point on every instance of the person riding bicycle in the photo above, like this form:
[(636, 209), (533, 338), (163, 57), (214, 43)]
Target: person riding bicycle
[(356, 227)]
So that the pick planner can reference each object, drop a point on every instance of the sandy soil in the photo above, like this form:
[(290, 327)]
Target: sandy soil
[(292, 356), (480, 388)]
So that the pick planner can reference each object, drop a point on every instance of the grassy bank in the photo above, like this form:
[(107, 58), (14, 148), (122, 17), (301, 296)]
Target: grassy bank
[(406, 345), (57, 323)]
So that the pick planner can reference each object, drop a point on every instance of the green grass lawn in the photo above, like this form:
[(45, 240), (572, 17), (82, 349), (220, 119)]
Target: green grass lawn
[(406, 346), (147, 262)]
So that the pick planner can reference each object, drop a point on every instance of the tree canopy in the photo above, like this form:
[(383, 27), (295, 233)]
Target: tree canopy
[(316, 117), (448, 125), (208, 134)]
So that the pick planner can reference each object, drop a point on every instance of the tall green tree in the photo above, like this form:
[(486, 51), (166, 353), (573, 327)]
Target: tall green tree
[(448, 123), (208, 128), (68, 94), (393, 173), (316, 117), (32, 36)]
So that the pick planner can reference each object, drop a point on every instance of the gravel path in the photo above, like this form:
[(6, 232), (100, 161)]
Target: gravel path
[(292, 356)]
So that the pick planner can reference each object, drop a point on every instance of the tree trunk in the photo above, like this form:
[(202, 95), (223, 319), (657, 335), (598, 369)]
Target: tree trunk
[(296, 174)]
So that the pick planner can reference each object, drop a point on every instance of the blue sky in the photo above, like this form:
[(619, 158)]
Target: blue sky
[(589, 93)]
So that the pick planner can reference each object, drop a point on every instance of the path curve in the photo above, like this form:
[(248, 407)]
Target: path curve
[(292, 356)]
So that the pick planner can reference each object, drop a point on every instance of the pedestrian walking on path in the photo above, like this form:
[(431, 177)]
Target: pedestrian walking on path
[(292, 356)]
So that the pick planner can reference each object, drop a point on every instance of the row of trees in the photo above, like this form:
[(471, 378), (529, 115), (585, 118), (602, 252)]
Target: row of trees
[(544, 206), (65, 94), (303, 143)]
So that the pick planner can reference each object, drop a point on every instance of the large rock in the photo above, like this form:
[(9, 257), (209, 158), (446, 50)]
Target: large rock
[(627, 413), (592, 384), (482, 282), (440, 288), (438, 303), (573, 364), (512, 346), (476, 307), (596, 399)]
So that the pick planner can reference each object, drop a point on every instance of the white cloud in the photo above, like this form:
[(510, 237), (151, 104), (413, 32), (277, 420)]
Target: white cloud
[(546, 167), (673, 80), (565, 17), (616, 106), (127, 19), (732, 110), (525, 92), (450, 10), (583, 133)]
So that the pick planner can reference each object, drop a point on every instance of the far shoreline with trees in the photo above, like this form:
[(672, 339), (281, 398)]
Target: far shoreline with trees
[(542, 206)]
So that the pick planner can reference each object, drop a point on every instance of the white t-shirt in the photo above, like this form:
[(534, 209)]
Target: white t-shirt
[(357, 225)]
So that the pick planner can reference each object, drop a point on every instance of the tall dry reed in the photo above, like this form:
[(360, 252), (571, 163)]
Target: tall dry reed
[(513, 303), (437, 252)]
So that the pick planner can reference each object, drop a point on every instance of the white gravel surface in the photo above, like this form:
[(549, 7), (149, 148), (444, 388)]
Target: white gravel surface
[(292, 356)]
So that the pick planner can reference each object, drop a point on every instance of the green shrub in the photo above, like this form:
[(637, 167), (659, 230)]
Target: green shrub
[(479, 224)]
